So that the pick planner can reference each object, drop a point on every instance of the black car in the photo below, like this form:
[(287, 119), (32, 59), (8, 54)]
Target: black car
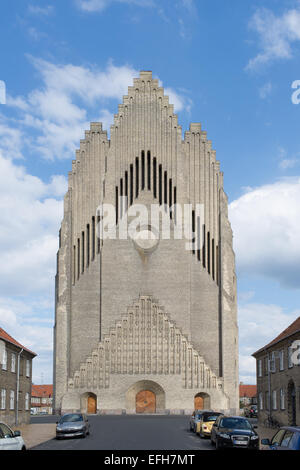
[(72, 425), (234, 432), (287, 438)]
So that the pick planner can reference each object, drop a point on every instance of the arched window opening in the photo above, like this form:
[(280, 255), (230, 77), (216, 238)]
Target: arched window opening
[(193, 231), (170, 197), (117, 205), (208, 252), (165, 188), (93, 237), (204, 247), (131, 184), (88, 245), (160, 184), (143, 169), (82, 252), (136, 177), (149, 169), (154, 178)]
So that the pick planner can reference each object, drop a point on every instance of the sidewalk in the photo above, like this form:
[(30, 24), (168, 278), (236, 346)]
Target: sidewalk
[(265, 433), (34, 434)]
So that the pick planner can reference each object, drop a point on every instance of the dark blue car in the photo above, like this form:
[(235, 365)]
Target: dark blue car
[(287, 438)]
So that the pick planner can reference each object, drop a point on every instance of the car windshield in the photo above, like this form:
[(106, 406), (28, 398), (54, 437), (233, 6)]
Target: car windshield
[(71, 418), (208, 418), (235, 423)]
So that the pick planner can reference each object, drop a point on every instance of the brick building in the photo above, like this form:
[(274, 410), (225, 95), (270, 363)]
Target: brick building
[(146, 322), (248, 394), (41, 399), (278, 377), (15, 380)]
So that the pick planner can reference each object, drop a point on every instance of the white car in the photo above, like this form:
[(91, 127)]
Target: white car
[(10, 440)]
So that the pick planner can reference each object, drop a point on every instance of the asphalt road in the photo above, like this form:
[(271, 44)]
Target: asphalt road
[(130, 432)]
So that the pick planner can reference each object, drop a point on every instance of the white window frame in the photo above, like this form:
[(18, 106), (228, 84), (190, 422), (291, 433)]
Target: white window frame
[(282, 399), (3, 399), (274, 400), (290, 353), (4, 358), (259, 368), (13, 363), (27, 368), (272, 363), (281, 359), (12, 400), (27, 401)]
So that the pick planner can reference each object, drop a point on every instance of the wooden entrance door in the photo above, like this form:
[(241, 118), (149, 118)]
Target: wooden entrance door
[(91, 405), (145, 402), (198, 403)]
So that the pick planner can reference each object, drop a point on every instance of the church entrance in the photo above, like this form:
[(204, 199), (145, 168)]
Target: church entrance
[(145, 402), (144, 397), (201, 401), (91, 405), (88, 402)]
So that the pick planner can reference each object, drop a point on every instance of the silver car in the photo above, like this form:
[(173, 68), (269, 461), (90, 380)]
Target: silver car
[(72, 425)]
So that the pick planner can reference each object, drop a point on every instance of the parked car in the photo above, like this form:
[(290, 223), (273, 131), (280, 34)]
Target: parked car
[(196, 417), (287, 438), (203, 427), (9, 439), (72, 425), (250, 412), (234, 432)]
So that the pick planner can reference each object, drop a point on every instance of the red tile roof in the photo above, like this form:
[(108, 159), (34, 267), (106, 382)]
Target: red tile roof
[(290, 330), (248, 391), (42, 391), (6, 337)]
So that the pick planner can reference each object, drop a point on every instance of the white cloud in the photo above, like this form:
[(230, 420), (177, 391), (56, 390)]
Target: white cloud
[(265, 90), (100, 5), (266, 227), (38, 10), (61, 109), (30, 214), (258, 325), (276, 35)]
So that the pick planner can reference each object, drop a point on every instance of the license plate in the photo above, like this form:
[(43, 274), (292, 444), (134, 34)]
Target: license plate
[(240, 443)]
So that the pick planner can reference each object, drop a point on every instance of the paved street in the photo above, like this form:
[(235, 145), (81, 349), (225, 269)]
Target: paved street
[(131, 433)]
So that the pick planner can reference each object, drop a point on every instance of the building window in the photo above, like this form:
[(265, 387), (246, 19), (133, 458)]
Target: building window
[(13, 363), (259, 368), (281, 360), (4, 359), (3, 399), (282, 399), (274, 400), (12, 400), (290, 353), (272, 363), (260, 401), (27, 368), (27, 401)]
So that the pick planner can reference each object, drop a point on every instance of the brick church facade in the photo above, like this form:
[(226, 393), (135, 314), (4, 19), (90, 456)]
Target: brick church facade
[(145, 323)]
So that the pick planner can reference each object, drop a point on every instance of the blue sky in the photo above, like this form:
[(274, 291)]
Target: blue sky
[(229, 65)]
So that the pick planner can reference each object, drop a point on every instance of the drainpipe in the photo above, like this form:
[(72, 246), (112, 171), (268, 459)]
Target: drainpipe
[(18, 387)]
